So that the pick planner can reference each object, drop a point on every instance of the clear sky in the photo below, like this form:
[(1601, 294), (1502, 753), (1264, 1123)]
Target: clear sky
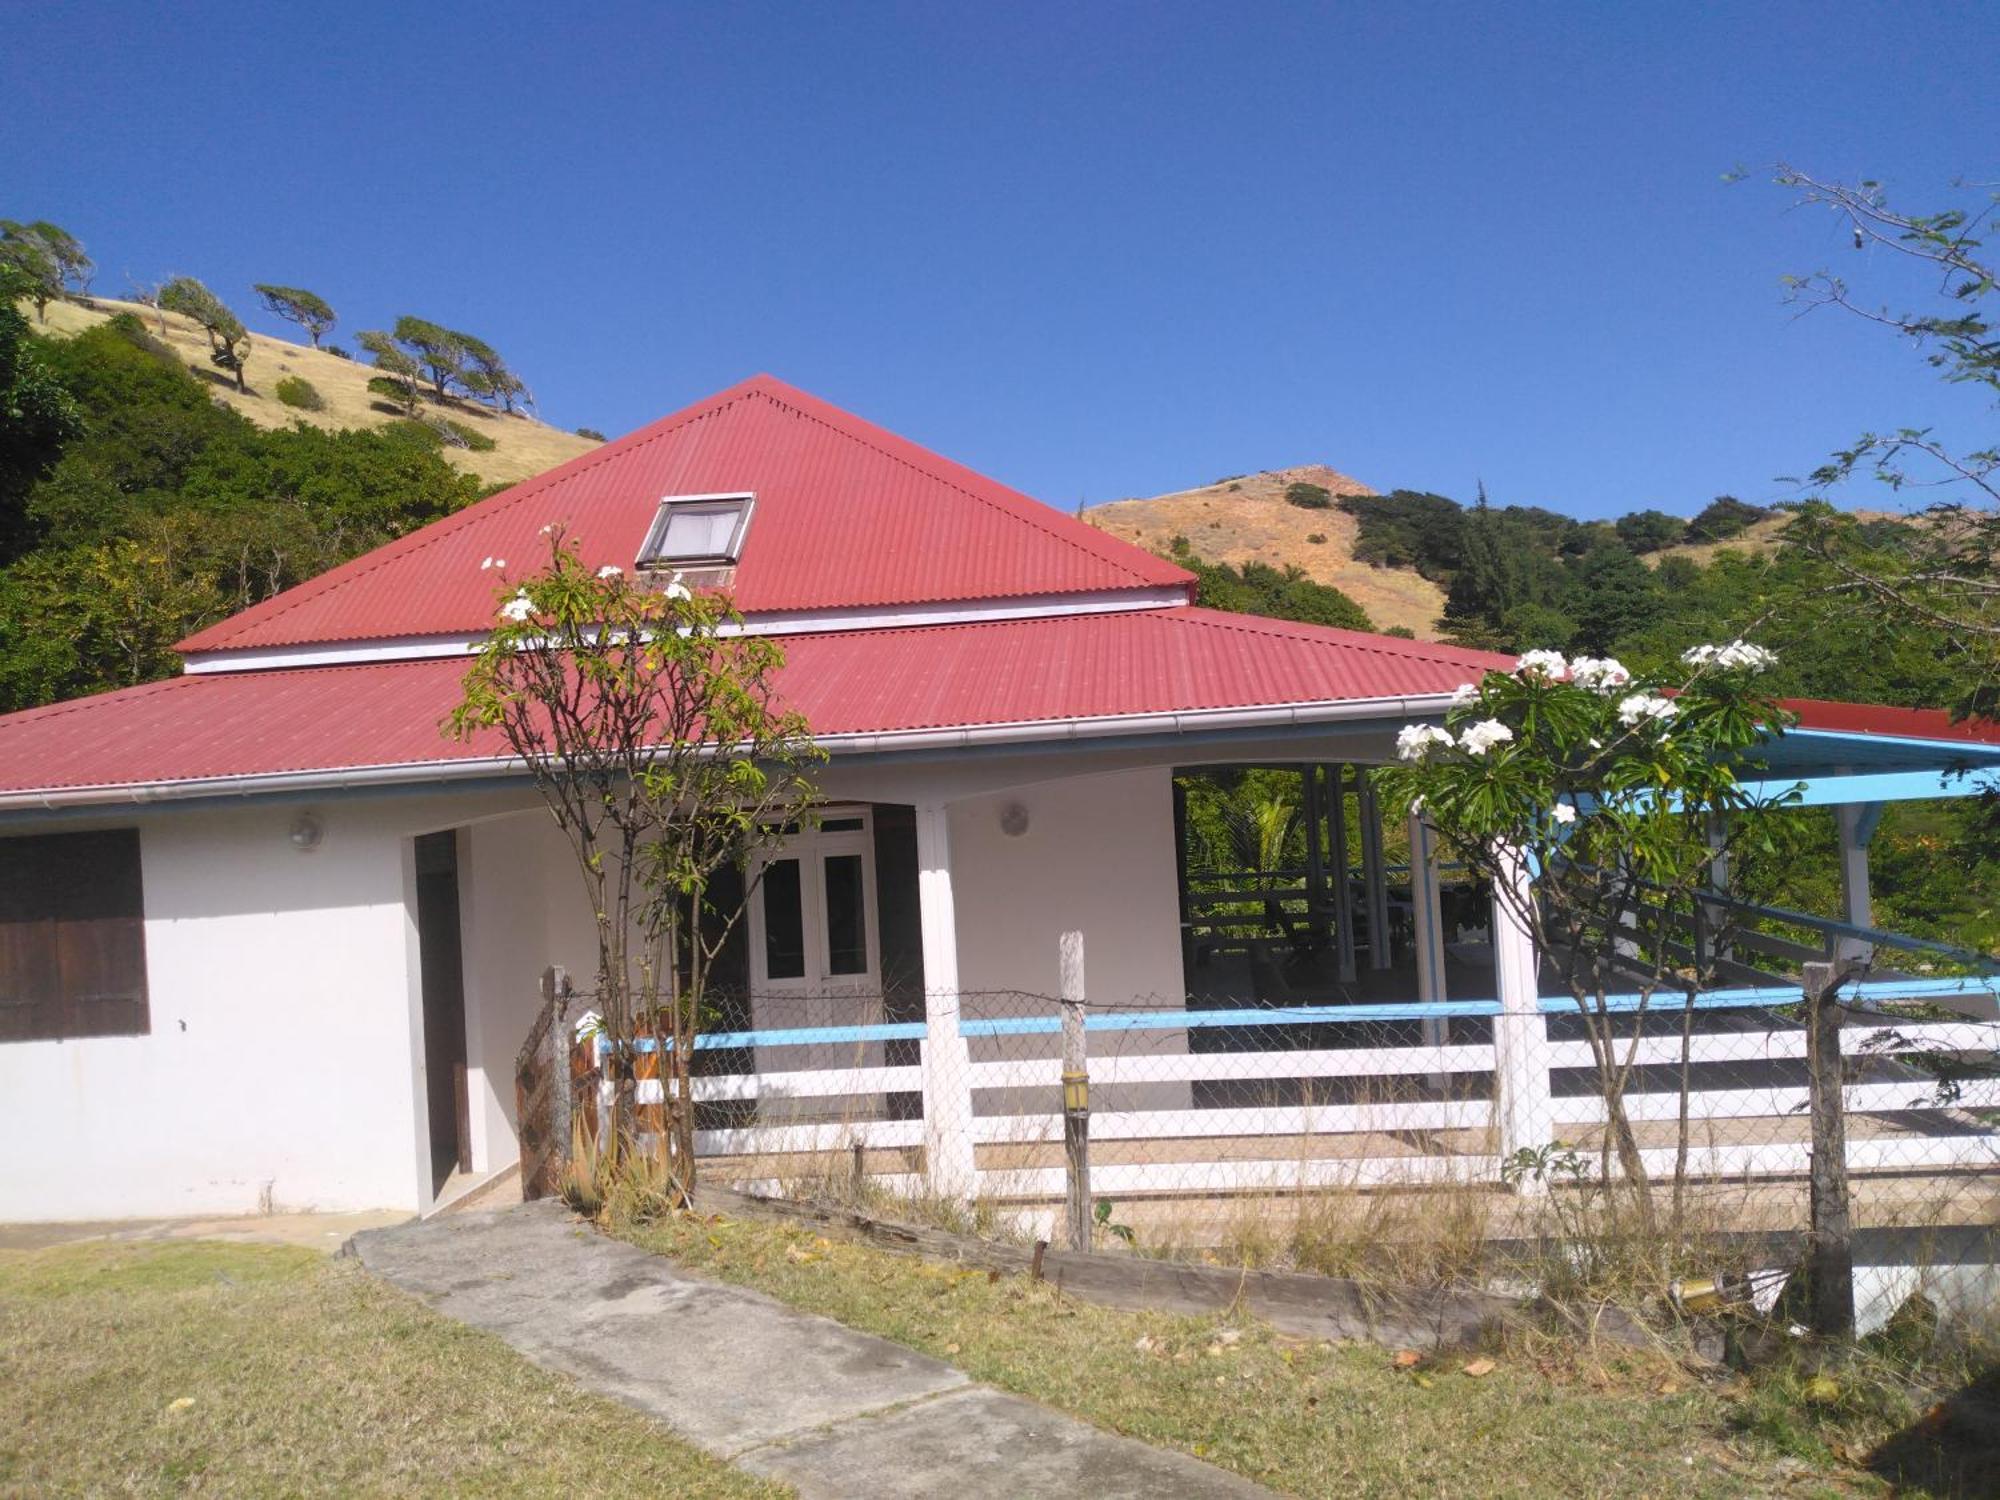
[(1094, 250)]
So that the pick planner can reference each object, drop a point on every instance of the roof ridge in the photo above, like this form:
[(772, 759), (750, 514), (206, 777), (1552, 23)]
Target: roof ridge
[(1367, 640), (42, 712)]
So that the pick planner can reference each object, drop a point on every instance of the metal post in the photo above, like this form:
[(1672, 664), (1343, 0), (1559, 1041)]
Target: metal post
[(1375, 884), (1830, 1258), (1315, 860), (1857, 822), (1076, 1092)]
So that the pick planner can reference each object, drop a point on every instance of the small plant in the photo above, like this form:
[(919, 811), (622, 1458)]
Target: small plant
[(1180, 546), (337, 352), (1308, 496), (1317, 538), (592, 433), (458, 435), (295, 390), (1102, 1214)]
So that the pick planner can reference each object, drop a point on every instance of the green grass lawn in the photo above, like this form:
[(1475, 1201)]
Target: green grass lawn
[(174, 1367), (1307, 1417)]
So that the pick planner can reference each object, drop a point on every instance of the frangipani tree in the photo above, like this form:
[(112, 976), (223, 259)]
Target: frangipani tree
[(652, 729), (1604, 806)]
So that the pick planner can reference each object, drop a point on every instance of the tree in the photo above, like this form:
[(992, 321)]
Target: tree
[(228, 341), (399, 381), (1609, 788), (1650, 530), (38, 418), (488, 378), (1309, 496), (30, 265), (439, 353), (653, 731), (1941, 575), (309, 310), (1724, 517)]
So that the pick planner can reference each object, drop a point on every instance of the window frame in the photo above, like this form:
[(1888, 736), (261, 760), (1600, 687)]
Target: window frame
[(62, 952), (650, 559)]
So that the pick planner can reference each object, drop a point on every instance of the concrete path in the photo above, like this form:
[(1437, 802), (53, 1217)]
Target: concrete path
[(777, 1391)]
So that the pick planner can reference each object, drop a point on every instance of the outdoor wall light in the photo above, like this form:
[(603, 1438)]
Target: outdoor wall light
[(306, 833), (1013, 820)]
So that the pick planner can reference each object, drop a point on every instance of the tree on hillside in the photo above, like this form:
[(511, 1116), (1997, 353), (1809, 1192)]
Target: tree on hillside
[(32, 269), (439, 353), (38, 417), (1941, 576), (73, 268), (487, 377), (1649, 530), (295, 304), (401, 377), (1724, 517), (228, 340)]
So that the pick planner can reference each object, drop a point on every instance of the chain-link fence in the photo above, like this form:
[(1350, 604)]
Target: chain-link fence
[(1437, 1142)]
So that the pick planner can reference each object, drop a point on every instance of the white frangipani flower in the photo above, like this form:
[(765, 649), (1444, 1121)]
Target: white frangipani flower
[(1601, 674), (1644, 706), (610, 570), (1415, 741), (1737, 656), (548, 529), (1483, 736), (518, 608), (1464, 693), (1563, 813), (1550, 664), (676, 589), (485, 565)]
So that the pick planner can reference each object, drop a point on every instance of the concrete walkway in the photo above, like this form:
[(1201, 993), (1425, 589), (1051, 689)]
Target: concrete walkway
[(777, 1391)]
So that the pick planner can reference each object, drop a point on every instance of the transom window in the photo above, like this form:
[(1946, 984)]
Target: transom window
[(697, 530)]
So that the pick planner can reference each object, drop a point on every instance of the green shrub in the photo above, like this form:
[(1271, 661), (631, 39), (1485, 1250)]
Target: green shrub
[(458, 434), (592, 433), (1309, 496), (294, 390), (337, 352), (1317, 538)]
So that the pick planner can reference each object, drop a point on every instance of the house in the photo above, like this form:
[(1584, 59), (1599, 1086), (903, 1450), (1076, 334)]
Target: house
[(267, 936)]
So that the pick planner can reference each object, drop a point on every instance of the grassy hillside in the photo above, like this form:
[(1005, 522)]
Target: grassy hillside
[(522, 445), (1248, 520)]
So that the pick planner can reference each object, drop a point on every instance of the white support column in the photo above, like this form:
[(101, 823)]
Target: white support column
[(1857, 822), (1521, 1102), (947, 1065)]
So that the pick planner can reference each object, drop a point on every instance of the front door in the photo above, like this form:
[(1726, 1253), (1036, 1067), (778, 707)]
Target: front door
[(815, 945)]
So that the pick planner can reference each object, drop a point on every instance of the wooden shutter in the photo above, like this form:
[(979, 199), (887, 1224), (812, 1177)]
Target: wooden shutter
[(72, 936)]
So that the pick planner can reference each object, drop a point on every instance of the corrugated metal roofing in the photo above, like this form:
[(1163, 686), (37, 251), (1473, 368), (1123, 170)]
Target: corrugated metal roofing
[(847, 515), (845, 682)]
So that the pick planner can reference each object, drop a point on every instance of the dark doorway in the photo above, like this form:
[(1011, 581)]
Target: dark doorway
[(442, 964)]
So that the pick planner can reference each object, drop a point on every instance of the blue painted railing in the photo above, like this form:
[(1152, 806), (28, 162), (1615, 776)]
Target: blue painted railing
[(1754, 998)]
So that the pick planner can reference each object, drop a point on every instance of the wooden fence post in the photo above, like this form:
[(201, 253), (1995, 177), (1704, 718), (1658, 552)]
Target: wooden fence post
[(1076, 1092), (1830, 1256)]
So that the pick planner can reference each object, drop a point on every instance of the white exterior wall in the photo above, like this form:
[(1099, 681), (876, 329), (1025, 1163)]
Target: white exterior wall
[(284, 1026), (1097, 857)]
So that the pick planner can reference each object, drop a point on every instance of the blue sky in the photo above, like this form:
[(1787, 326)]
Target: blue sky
[(1094, 250)]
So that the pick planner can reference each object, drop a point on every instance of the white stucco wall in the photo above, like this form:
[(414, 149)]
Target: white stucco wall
[(279, 1067), (1098, 857)]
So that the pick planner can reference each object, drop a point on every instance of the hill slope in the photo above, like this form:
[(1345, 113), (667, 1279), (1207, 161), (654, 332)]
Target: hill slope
[(522, 446), (1248, 519)]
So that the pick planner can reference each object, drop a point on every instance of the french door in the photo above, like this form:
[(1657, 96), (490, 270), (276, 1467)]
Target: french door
[(815, 943)]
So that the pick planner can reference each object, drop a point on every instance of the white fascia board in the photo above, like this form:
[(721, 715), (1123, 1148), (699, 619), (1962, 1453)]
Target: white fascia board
[(969, 737), (768, 622)]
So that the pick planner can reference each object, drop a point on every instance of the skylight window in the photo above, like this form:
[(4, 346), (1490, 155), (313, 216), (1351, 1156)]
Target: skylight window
[(697, 531)]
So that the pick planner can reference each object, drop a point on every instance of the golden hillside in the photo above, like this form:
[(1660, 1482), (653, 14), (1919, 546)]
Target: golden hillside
[(1248, 519), (523, 446)]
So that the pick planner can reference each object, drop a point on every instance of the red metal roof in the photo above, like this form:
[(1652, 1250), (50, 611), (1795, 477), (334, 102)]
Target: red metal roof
[(1090, 666), (1902, 723), (847, 515)]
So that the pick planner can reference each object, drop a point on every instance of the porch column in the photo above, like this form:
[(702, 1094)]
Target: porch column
[(1521, 1104), (1375, 886), (1857, 822), (1427, 917), (1343, 878), (947, 1065)]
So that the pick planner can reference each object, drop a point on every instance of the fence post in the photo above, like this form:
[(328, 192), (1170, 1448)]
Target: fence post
[(1520, 1036), (1076, 1092), (1830, 1255), (947, 1063)]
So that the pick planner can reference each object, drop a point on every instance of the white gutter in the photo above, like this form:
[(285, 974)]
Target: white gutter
[(767, 622), (1019, 732)]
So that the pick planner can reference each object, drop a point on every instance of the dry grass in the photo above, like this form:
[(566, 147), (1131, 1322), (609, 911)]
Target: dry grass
[(195, 1367), (523, 446), (1305, 1417), (1249, 520)]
